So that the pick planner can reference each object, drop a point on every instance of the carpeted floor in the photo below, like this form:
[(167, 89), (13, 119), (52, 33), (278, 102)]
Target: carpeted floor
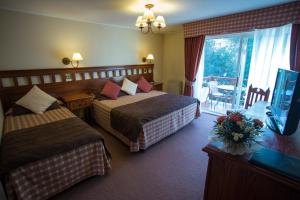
[(173, 169)]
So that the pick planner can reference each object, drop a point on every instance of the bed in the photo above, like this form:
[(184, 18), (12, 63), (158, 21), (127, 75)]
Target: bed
[(42, 178), (43, 154), (159, 124)]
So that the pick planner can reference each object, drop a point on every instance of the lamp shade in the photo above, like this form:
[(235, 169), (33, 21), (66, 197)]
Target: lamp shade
[(149, 15), (140, 22), (150, 57), (160, 19), (160, 22), (77, 57)]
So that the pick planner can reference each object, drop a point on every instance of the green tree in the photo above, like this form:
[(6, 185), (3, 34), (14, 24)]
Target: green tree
[(221, 57)]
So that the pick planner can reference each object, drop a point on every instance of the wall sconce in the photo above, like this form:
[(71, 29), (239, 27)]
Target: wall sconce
[(148, 59), (76, 57)]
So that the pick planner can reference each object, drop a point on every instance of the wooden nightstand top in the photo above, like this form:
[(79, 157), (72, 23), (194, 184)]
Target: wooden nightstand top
[(77, 101), (157, 86), (76, 96), (156, 83)]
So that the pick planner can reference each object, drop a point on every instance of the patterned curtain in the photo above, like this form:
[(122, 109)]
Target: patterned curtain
[(295, 48), (193, 50), (246, 21)]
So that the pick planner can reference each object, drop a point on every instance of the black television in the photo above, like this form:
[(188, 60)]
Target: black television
[(285, 104)]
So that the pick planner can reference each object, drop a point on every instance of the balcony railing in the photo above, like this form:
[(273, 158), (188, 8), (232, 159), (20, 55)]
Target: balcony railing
[(224, 80), (221, 80)]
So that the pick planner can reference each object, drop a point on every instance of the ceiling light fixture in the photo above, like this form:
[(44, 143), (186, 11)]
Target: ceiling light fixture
[(148, 19)]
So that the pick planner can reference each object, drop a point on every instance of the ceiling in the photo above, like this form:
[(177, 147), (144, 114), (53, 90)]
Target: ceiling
[(124, 12)]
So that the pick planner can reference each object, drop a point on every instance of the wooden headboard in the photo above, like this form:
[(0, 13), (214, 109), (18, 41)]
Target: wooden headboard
[(15, 83)]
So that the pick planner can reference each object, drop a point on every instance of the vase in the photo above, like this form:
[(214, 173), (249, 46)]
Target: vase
[(238, 148)]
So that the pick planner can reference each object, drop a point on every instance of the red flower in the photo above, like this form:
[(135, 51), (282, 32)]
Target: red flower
[(221, 119), (258, 123), (236, 117)]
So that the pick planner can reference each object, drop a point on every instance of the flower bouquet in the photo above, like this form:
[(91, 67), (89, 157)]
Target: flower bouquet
[(237, 132)]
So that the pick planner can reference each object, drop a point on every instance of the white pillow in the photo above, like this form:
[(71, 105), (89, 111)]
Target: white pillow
[(129, 87), (36, 100)]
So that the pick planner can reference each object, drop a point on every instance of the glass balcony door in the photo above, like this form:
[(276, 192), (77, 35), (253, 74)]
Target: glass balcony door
[(224, 70)]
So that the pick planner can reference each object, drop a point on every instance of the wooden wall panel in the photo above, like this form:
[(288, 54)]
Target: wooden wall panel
[(11, 89)]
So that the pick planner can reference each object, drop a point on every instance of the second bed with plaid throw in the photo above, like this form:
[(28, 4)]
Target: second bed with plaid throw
[(152, 131)]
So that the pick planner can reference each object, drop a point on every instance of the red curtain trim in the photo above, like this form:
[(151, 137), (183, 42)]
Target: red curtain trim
[(192, 50), (295, 48)]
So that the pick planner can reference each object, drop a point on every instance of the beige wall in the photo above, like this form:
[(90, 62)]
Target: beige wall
[(35, 42), (31, 41), (173, 62)]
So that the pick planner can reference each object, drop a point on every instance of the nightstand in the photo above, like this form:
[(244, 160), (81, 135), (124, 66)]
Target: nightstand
[(79, 104), (157, 86)]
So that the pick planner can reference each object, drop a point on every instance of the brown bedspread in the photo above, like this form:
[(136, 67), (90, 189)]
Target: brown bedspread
[(31, 144), (129, 119)]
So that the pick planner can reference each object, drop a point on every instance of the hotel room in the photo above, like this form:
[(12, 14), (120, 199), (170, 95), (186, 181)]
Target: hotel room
[(149, 99)]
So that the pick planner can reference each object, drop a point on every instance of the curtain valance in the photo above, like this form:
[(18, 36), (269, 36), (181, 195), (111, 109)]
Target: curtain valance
[(246, 21)]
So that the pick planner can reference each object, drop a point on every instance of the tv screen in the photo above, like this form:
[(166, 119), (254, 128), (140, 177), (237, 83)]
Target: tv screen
[(284, 100)]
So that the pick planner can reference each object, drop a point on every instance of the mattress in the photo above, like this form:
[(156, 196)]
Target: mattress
[(153, 131), (44, 178)]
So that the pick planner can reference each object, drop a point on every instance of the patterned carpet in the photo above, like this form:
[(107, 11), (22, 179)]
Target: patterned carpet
[(173, 169)]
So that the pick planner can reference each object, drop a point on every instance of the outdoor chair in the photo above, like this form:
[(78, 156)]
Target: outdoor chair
[(256, 94), (214, 93)]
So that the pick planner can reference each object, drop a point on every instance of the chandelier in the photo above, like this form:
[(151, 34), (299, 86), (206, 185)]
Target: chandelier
[(148, 19)]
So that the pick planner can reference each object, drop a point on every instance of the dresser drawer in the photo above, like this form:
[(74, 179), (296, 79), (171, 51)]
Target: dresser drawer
[(78, 104)]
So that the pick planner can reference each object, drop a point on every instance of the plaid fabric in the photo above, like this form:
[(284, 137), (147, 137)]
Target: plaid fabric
[(153, 131), (12, 123), (240, 22), (164, 126), (43, 179)]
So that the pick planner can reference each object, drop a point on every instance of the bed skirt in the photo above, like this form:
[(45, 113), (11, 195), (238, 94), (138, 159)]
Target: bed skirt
[(153, 131)]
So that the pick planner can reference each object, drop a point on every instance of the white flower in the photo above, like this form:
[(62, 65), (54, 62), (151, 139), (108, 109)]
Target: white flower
[(220, 127), (254, 132), (237, 136), (241, 124), (248, 130)]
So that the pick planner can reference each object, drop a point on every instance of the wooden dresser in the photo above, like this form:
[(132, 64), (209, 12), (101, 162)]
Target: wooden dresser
[(235, 178)]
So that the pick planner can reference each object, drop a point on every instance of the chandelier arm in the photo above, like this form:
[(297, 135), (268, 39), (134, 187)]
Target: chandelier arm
[(144, 32)]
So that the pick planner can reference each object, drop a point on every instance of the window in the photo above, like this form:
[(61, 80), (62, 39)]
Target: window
[(230, 63), (226, 63)]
